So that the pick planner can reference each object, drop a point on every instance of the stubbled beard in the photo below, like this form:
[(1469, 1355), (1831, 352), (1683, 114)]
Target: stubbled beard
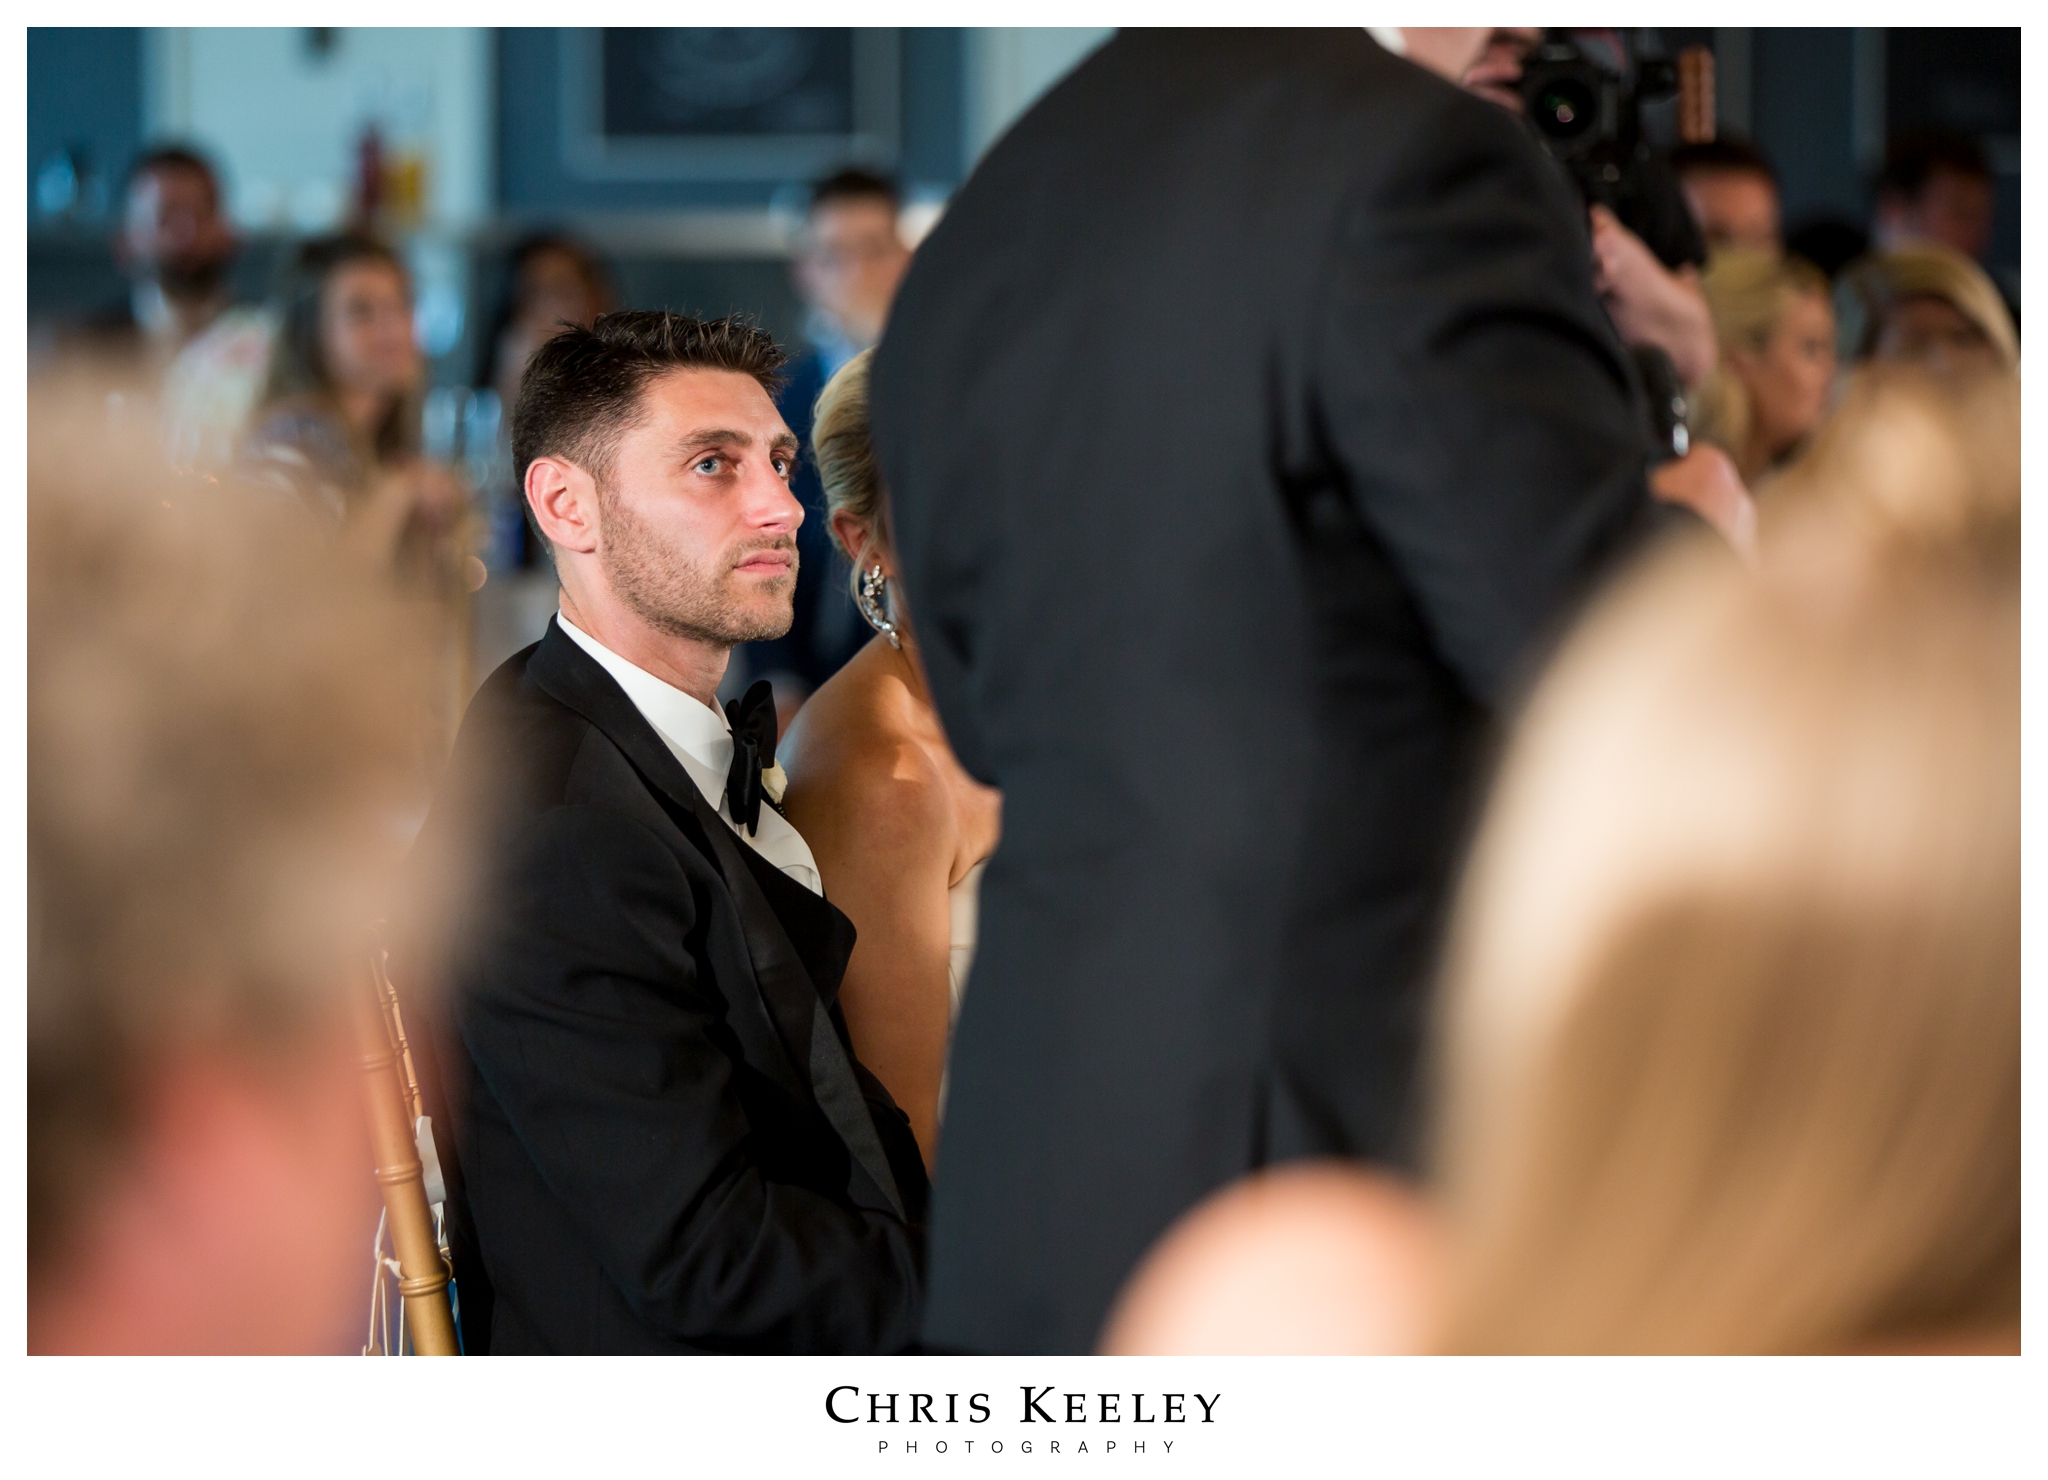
[(685, 597)]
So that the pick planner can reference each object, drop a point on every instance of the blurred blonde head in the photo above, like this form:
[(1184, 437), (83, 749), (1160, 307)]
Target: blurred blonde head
[(220, 753), (1307, 1259), (1775, 329), (1731, 1059), (1929, 305), (1913, 466)]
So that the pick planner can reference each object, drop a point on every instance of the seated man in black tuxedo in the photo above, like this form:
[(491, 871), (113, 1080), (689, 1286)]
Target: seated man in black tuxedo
[(667, 1143)]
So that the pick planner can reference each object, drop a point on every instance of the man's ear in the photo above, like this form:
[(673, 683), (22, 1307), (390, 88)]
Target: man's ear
[(563, 498)]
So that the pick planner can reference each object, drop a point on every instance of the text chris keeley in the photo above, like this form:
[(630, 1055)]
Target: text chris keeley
[(844, 1404)]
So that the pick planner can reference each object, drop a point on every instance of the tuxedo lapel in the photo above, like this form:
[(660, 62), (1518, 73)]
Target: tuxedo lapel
[(806, 1055)]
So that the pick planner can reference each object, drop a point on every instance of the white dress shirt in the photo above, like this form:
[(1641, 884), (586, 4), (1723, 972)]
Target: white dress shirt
[(701, 739)]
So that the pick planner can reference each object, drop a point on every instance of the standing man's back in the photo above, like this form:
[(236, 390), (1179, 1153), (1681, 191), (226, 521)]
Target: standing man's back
[(1247, 419)]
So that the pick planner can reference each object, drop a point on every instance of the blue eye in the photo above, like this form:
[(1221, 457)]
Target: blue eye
[(708, 465)]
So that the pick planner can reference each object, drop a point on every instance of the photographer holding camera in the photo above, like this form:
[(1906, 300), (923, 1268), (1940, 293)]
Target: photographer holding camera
[(1583, 95)]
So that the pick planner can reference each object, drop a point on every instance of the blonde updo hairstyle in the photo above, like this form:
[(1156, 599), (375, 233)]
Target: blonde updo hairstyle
[(845, 449)]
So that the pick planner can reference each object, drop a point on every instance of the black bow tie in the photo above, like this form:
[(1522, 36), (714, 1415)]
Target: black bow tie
[(752, 717)]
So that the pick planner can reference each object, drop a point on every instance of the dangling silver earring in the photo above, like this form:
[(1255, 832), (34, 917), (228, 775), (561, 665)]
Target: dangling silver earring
[(870, 594)]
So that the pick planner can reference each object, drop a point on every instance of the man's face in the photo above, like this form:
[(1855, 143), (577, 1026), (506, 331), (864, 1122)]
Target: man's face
[(1497, 75), (851, 261), (172, 230), (697, 526), (1734, 208)]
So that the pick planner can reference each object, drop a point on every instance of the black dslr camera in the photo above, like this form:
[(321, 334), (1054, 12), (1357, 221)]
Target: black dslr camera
[(1590, 118)]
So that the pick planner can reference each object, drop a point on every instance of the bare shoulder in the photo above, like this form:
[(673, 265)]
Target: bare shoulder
[(842, 713), (857, 778)]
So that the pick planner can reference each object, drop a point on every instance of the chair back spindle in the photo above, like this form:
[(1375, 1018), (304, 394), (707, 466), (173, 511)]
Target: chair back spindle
[(392, 1091)]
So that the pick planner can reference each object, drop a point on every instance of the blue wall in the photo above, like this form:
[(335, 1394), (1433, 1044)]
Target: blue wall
[(85, 94), (1803, 115)]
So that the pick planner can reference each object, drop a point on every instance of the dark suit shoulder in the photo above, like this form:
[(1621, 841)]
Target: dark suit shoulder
[(583, 890), (522, 752), (518, 743)]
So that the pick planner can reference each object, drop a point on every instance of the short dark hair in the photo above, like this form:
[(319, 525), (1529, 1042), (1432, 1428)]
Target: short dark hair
[(174, 157), (582, 387), (855, 184), (1727, 154), (1912, 159)]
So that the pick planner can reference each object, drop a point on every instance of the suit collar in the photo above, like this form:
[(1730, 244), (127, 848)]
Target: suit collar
[(695, 732), (571, 676), (700, 738)]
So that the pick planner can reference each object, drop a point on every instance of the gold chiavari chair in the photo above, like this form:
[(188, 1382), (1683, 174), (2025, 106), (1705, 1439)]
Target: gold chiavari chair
[(409, 1175)]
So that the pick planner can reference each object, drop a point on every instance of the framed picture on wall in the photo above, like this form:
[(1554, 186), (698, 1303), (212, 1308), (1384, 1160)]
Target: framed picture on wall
[(727, 103)]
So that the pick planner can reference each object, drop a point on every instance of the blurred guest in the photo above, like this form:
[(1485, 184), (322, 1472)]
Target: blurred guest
[(1647, 267), (850, 255), (175, 245), (219, 745), (1732, 192), (1930, 306), (1935, 188), (1313, 1259), (1232, 481), (1930, 459), (670, 1145), (1733, 1061), (551, 281), (901, 833), (340, 419), (1777, 328)]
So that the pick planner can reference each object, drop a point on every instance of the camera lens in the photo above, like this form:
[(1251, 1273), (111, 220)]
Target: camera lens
[(1566, 108)]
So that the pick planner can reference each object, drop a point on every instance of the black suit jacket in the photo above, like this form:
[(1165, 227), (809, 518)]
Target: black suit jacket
[(1248, 419), (665, 1141)]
